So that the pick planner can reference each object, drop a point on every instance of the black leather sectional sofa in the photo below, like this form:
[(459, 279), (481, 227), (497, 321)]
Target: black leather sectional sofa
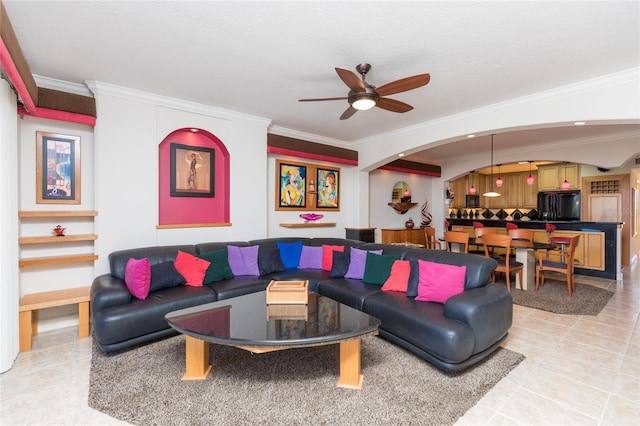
[(452, 336)]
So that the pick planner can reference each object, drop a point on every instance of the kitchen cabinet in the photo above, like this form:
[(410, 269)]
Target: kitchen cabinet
[(530, 192), (460, 190), (551, 176)]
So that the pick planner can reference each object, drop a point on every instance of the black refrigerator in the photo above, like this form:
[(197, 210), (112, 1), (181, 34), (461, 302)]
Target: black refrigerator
[(559, 205)]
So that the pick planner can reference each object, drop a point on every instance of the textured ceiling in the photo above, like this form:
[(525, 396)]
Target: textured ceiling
[(259, 58)]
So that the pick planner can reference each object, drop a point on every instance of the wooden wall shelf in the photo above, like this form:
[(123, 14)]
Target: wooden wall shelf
[(57, 259), (402, 208), (57, 213), (308, 225), (55, 239)]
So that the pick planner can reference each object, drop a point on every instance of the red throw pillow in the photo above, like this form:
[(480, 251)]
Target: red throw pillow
[(192, 268), (327, 255), (439, 281), (399, 278)]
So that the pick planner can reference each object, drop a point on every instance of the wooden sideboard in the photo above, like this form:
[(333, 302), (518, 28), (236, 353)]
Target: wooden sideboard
[(403, 235)]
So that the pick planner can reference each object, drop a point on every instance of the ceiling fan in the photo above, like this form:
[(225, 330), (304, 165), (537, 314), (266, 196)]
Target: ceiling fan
[(363, 95)]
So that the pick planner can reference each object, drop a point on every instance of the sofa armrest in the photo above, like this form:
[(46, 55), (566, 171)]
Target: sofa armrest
[(487, 310), (107, 290)]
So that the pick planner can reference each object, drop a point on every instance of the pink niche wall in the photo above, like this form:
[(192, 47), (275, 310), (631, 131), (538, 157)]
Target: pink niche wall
[(189, 211)]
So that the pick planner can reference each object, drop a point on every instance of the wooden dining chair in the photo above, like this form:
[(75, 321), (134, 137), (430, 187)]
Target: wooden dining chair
[(506, 264), (479, 232), (431, 242), (520, 234), (566, 267), (457, 237)]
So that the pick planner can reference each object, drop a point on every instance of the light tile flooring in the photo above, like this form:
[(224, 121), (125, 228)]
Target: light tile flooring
[(579, 370)]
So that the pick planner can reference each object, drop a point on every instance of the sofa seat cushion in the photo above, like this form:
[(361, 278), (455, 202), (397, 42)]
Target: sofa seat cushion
[(314, 276), (348, 291), (239, 286), (124, 322), (422, 324)]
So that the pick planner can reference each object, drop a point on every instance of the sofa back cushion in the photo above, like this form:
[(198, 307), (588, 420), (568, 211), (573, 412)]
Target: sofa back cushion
[(244, 260), (157, 254), (479, 268)]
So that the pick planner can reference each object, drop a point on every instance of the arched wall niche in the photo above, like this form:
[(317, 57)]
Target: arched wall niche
[(192, 211)]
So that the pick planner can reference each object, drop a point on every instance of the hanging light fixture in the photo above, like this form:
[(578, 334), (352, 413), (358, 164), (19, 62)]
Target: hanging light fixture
[(530, 177), (499, 181), (565, 185), (491, 193), (472, 189)]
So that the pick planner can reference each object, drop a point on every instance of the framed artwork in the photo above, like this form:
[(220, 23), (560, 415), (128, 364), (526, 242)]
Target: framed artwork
[(292, 186), (327, 315), (192, 171), (57, 169), (328, 196)]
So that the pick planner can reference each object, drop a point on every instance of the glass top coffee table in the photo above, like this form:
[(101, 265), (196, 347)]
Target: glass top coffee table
[(247, 322)]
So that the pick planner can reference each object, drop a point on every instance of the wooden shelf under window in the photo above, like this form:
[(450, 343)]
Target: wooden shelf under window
[(55, 239), (57, 259), (308, 225)]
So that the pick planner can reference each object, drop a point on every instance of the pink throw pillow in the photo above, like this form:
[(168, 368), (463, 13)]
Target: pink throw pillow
[(399, 278), (192, 268), (438, 281), (327, 255), (137, 277)]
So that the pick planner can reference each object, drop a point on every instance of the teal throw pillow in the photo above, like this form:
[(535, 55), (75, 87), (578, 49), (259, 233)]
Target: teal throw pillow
[(219, 268), (378, 267)]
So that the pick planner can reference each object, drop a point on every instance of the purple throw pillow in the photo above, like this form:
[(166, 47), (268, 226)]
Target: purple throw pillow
[(358, 262), (243, 260), (310, 258)]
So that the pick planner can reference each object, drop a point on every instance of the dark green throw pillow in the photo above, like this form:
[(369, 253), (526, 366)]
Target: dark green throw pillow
[(378, 267), (219, 268)]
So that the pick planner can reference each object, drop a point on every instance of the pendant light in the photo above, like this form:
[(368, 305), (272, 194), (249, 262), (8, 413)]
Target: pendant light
[(565, 185), (472, 189), (530, 177), (491, 193), (499, 181)]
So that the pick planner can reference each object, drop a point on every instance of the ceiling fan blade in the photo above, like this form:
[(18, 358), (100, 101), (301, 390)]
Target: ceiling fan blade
[(393, 105), (323, 99), (350, 78), (348, 113), (404, 84)]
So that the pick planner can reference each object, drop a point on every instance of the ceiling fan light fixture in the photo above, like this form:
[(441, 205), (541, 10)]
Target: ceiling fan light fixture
[(363, 101)]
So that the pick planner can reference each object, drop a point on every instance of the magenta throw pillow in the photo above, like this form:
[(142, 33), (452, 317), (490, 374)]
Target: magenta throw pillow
[(137, 277), (243, 260), (438, 281), (358, 262), (310, 258)]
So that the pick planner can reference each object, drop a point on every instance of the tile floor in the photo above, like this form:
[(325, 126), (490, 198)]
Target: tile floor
[(579, 370)]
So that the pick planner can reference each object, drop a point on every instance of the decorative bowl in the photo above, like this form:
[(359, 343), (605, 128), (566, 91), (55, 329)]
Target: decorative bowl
[(311, 217)]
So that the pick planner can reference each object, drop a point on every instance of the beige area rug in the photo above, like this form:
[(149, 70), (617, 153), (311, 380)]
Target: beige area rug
[(553, 297), (290, 387)]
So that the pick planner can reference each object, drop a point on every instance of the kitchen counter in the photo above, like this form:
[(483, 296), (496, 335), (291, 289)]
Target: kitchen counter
[(611, 230)]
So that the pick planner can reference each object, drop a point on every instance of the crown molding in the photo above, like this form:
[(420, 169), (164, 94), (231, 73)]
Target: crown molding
[(283, 131), (61, 85), (100, 88)]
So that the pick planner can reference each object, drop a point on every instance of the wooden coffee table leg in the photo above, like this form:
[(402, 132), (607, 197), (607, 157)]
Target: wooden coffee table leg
[(350, 376), (197, 365)]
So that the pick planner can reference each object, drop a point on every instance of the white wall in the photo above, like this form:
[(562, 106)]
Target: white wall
[(9, 295), (382, 216)]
